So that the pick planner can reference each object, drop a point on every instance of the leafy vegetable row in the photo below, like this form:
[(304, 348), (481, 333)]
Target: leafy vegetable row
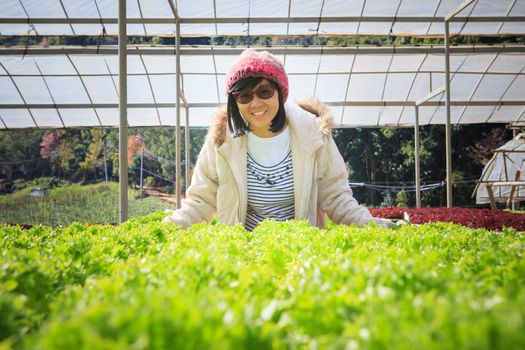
[(150, 285)]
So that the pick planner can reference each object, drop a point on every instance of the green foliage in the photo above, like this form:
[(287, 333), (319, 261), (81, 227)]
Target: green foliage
[(386, 155), (317, 38), (162, 143), (20, 155), (93, 159), (73, 203), (388, 200), (402, 199), (46, 182), (147, 284), (371, 154), (375, 155)]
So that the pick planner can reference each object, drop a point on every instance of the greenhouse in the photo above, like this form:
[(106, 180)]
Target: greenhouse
[(502, 177), (446, 277)]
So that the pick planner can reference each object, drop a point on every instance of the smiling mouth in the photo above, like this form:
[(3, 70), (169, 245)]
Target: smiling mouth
[(257, 114)]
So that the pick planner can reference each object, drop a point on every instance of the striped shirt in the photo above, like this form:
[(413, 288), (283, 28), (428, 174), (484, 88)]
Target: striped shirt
[(270, 191)]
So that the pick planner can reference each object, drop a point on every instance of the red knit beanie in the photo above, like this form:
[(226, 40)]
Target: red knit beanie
[(263, 64)]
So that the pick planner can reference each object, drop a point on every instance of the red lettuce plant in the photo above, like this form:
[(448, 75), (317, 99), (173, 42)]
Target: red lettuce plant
[(470, 217)]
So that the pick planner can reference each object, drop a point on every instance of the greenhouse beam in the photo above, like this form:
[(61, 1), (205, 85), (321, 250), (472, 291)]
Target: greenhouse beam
[(123, 112), (262, 20), (311, 50), (177, 103), (507, 103), (416, 158), (178, 172), (448, 131), (187, 145), (418, 103), (448, 136), (450, 16)]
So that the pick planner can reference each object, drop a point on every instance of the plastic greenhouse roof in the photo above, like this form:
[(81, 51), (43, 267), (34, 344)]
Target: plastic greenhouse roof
[(258, 17), (363, 89), (59, 87)]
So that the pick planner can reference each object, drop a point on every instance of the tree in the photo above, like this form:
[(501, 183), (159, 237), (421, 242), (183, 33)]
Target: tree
[(65, 150), (20, 155), (65, 153), (162, 142), (135, 145), (484, 149), (93, 158), (49, 144)]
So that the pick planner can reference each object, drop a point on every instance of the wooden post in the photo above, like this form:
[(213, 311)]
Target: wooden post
[(513, 189), (493, 205)]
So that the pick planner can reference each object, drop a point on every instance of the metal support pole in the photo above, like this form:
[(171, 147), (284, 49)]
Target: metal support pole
[(187, 156), (515, 204), (416, 160), (178, 136), (105, 161), (448, 142), (418, 103), (123, 111), (141, 170)]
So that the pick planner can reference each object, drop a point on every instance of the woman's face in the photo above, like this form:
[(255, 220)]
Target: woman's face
[(259, 112)]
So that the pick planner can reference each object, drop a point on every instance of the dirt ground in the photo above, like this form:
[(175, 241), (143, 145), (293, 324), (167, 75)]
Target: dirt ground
[(167, 197)]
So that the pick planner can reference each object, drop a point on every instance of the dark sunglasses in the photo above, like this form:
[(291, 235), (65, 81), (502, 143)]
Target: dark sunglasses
[(264, 92)]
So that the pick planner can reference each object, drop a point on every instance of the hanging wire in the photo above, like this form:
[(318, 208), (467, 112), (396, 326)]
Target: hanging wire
[(248, 23), (395, 19), (408, 187), (5, 125), (19, 161), (215, 18), (360, 16), (466, 19), (153, 156), (396, 188), (110, 75), (322, 48), (142, 17), (443, 94), (102, 36), (29, 30), (433, 15), (316, 30), (483, 75), (50, 93), (508, 14), (384, 88), (67, 16), (158, 176), (318, 70), (498, 106), (287, 29)]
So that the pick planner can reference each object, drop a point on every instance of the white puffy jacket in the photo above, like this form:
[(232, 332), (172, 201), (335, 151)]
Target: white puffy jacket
[(320, 176)]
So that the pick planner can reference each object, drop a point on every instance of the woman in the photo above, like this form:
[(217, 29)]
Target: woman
[(266, 158)]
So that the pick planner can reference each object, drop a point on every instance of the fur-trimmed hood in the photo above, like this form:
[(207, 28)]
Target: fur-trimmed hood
[(318, 111)]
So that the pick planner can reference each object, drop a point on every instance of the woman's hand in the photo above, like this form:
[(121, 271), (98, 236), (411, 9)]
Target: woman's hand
[(385, 222)]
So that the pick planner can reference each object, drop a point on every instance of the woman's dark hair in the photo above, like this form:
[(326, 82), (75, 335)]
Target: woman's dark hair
[(236, 123)]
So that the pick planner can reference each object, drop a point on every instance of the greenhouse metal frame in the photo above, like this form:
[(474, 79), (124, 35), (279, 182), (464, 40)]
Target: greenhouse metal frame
[(486, 82)]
